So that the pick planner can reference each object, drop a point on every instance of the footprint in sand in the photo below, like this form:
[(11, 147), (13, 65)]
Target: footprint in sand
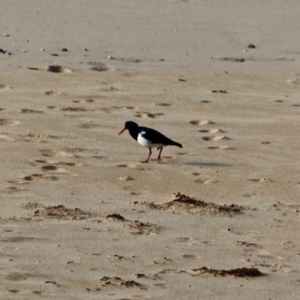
[(201, 122), (58, 69), (124, 107), (4, 87), (138, 192), (49, 168), (261, 180), (122, 166), (89, 126), (51, 93), (40, 177), (31, 136), (126, 178), (84, 101), (169, 271), (212, 130), (215, 138), (294, 80), (49, 162), (54, 168), (106, 158), (221, 148), (268, 260), (66, 152), (26, 111), (133, 166), (164, 104), (190, 256), (112, 108), (125, 59), (204, 180), (99, 66), (8, 122), (287, 208), (14, 189), (245, 244), (149, 115), (71, 109), (50, 153), (270, 255), (5, 137), (233, 59), (251, 195)]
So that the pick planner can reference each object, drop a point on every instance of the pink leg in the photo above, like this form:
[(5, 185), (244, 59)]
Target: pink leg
[(159, 158), (150, 152)]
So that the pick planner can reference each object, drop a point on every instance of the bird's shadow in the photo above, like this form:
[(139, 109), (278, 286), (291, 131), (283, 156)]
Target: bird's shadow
[(207, 164)]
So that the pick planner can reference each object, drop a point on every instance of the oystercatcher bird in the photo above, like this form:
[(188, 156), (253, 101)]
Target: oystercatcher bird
[(149, 138)]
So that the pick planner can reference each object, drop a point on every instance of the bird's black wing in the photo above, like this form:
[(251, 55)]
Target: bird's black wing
[(156, 137)]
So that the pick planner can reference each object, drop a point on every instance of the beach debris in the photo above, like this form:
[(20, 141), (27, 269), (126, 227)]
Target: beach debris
[(5, 52), (138, 227), (183, 204), (59, 212), (239, 272), (64, 50)]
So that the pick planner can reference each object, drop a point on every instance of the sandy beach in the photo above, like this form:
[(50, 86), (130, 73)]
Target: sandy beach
[(81, 217)]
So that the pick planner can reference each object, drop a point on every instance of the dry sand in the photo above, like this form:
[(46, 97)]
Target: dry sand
[(81, 217)]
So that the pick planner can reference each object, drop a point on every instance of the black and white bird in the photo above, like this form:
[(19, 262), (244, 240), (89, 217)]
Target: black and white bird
[(149, 138)]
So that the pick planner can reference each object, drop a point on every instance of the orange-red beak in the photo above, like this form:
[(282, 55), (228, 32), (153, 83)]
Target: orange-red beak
[(122, 130)]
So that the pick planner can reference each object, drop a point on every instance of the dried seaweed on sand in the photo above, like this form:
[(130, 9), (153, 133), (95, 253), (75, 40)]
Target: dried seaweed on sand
[(183, 203)]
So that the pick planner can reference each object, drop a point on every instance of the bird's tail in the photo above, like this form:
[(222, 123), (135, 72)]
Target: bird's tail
[(176, 144)]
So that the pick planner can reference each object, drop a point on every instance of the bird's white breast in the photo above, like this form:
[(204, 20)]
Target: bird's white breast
[(147, 143)]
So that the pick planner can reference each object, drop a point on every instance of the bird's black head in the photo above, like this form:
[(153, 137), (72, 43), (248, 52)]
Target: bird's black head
[(131, 126)]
